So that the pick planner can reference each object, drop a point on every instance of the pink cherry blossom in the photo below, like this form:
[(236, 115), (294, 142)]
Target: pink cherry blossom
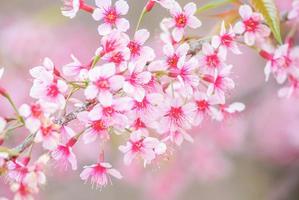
[(181, 19), (103, 82), (33, 114), (23, 191), (119, 58), (99, 174), (251, 25), (96, 126), (211, 58), (205, 106), (113, 42), (113, 112), (111, 16), (138, 51), (48, 135), (176, 115), (18, 169), (75, 69), (184, 72), (226, 40), (139, 145), (64, 155), (50, 90), (136, 79)]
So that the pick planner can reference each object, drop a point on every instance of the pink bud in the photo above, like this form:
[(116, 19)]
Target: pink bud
[(149, 6)]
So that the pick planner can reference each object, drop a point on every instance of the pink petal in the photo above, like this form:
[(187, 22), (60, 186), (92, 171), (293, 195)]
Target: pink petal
[(115, 173), (105, 98), (91, 92), (107, 70), (103, 3), (116, 82), (245, 11)]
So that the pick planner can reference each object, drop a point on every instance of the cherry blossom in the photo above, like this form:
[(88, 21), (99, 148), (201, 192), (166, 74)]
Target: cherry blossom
[(96, 126), (18, 169), (211, 58), (64, 155), (48, 135), (115, 41), (99, 174), (103, 82), (176, 115), (136, 80), (205, 105), (47, 88), (138, 51), (220, 83), (33, 114), (139, 145), (181, 19), (251, 25), (75, 69), (111, 16), (226, 40)]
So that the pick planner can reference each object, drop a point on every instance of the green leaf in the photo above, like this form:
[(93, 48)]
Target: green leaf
[(268, 9), (214, 4)]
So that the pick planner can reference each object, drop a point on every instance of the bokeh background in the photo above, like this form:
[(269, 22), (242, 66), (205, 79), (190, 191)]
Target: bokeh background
[(252, 156)]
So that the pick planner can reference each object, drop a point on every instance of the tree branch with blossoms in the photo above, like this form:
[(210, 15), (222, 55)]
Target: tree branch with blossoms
[(130, 89)]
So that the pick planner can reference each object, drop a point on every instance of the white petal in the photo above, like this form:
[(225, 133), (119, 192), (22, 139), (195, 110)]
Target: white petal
[(104, 29), (177, 34), (141, 36), (193, 22), (122, 7), (190, 8), (122, 24), (91, 92), (107, 70), (103, 3), (98, 14)]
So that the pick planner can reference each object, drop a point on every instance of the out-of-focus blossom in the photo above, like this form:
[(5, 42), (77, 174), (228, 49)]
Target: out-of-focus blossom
[(70, 8)]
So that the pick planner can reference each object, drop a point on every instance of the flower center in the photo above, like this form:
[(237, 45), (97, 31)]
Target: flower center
[(226, 40), (251, 25), (173, 61), (175, 113), (102, 84), (134, 48), (98, 125), (108, 111), (202, 105), (141, 105), (181, 20), (36, 110), (136, 146), (139, 124), (117, 58), (52, 90), (110, 16), (46, 131), (212, 60), (100, 169)]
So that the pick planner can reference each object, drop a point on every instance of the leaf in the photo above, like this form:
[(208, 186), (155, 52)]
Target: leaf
[(269, 10), (214, 4)]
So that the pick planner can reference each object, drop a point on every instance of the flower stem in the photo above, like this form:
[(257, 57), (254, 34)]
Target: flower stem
[(13, 105)]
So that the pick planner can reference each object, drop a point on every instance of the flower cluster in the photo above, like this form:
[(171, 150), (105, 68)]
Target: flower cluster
[(148, 100)]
